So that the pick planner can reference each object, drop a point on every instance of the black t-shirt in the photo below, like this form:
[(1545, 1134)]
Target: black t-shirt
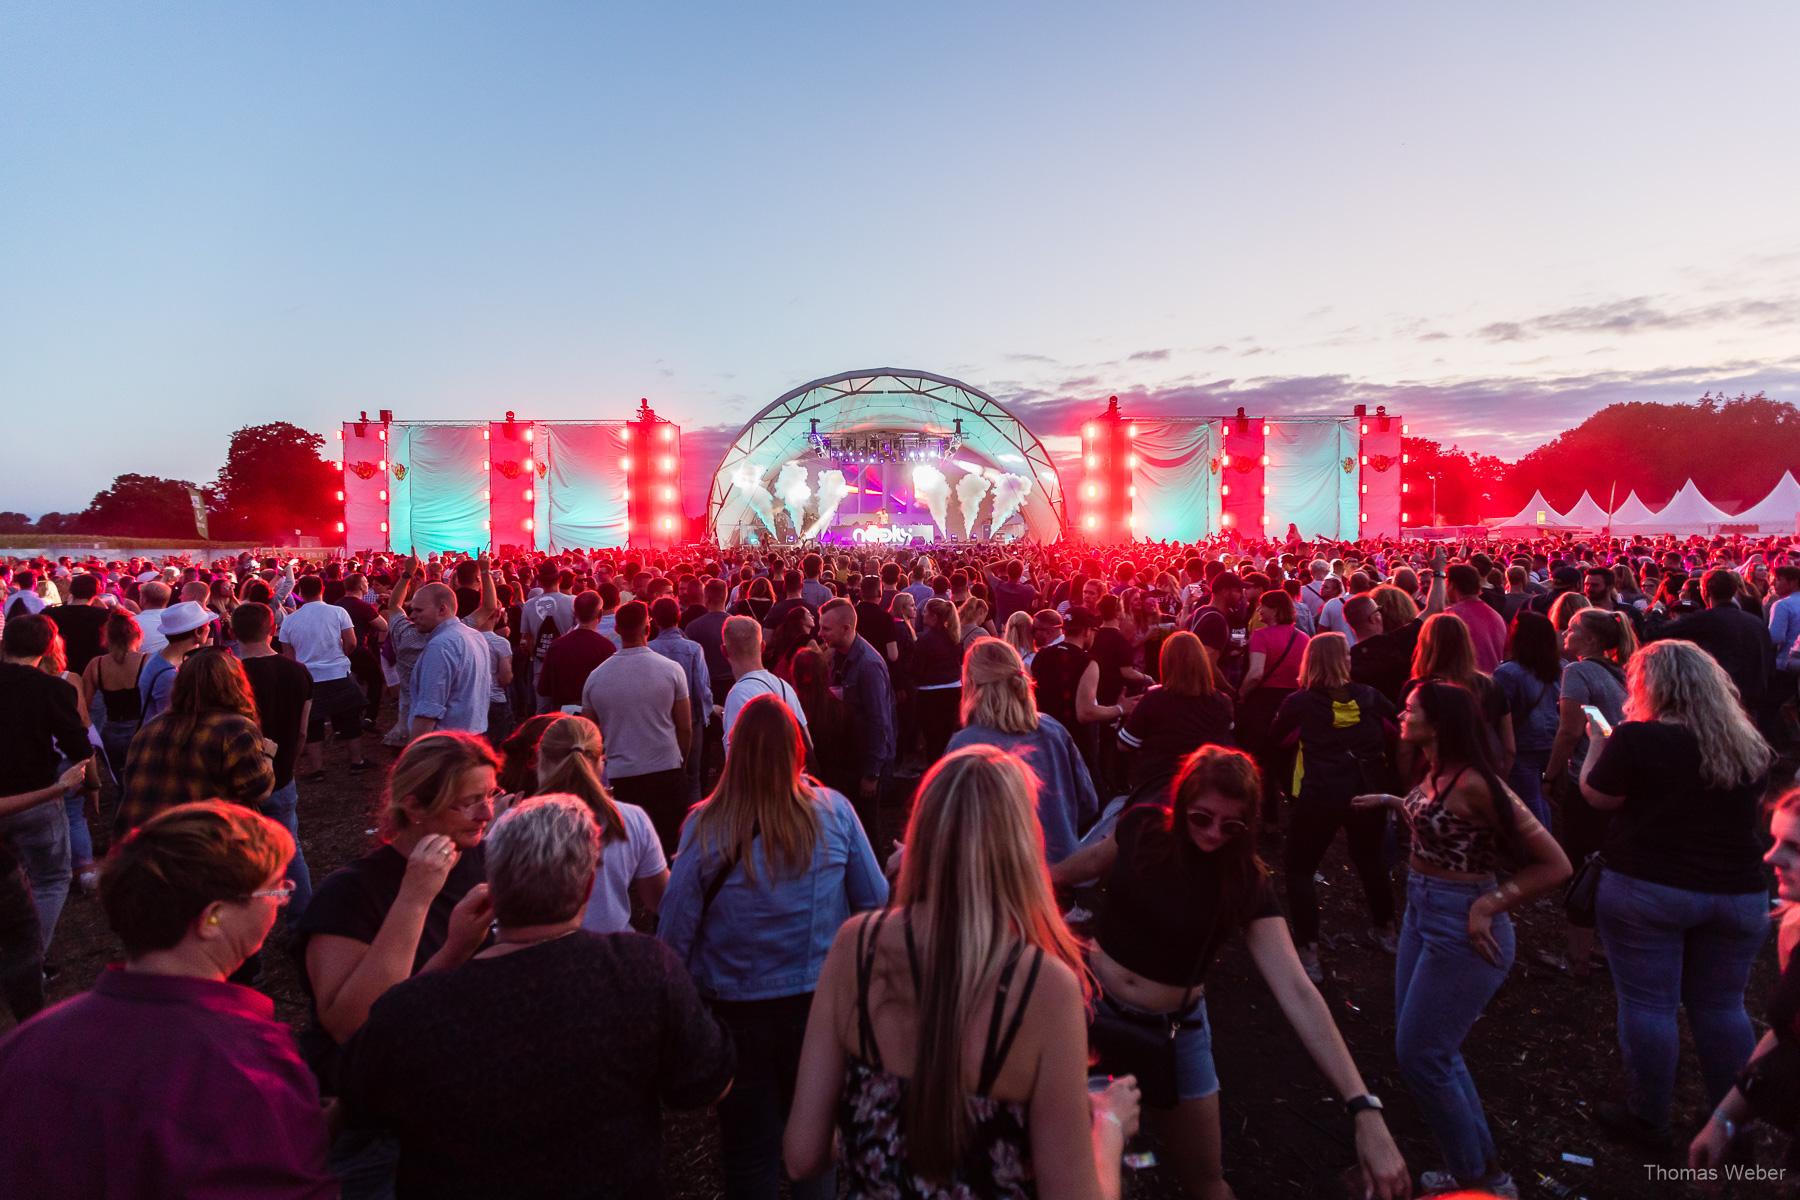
[(81, 626), (1166, 727), (281, 687), (1058, 670), (1112, 650), (783, 607), (875, 626), (352, 902), (1162, 915), (541, 1072), (1342, 742), (1675, 829)]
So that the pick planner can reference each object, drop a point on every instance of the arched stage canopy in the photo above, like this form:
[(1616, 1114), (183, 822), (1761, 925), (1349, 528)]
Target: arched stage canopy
[(889, 398)]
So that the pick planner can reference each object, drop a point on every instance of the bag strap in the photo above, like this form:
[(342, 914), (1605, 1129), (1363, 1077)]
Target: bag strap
[(1279, 659)]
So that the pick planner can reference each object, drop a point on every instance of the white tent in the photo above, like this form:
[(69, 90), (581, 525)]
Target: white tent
[(1688, 512), (1537, 514), (1634, 513), (1587, 513), (1774, 513)]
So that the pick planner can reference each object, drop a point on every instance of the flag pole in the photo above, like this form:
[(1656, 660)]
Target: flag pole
[(1612, 498)]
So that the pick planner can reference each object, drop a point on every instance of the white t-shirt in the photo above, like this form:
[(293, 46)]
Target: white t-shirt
[(150, 622), (749, 687), (621, 865), (315, 630)]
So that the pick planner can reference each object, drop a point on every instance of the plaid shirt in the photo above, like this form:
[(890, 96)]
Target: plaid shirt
[(222, 758)]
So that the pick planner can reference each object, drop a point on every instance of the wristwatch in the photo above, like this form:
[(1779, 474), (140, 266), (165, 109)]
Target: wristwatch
[(1367, 1102)]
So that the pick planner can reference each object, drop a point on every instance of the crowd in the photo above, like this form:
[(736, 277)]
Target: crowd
[(1091, 747)]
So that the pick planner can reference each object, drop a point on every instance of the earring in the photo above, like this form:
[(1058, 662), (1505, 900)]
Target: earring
[(213, 920)]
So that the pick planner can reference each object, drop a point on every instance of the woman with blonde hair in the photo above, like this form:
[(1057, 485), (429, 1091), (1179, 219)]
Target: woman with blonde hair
[(974, 615), (937, 674), (1564, 608), (1183, 877), (569, 758), (973, 952), (1017, 635), (769, 866), (1341, 729), (1000, 709), (1187, 710), (1682, 908), (415, 903)]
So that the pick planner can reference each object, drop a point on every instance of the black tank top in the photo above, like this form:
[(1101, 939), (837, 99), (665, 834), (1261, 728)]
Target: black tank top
[(123, 704)]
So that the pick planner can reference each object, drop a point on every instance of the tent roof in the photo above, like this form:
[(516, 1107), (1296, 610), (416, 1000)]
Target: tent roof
[(1688, 509), (1777, 508), (1528, 516), (1633, 512), (1587, 512)]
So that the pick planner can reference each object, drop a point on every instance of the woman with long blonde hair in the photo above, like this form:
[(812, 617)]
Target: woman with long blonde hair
[(999, 708), (569, 757), (769, 866), (973, 953), (1682, 908)]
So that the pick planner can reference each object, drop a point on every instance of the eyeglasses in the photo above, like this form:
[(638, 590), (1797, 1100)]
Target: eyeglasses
[(1199, 818), (281, 893), (471, 806)]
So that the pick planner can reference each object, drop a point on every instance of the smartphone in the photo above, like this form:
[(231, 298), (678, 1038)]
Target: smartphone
[(1599, 719)]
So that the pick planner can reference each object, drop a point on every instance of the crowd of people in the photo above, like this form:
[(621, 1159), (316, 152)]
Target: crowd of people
[(910, 865)]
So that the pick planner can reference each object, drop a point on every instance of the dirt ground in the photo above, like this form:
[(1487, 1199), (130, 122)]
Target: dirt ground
[(1543, 1053)]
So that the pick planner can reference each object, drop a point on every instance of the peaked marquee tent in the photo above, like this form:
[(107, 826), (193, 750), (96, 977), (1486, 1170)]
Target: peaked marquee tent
[(1537, 514), (1587, 513), (1688, 512), (1633, 513), (1776, 512)]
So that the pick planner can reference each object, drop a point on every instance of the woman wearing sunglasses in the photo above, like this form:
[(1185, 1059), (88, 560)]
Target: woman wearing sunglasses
[(1182, 878), (165, 1079)]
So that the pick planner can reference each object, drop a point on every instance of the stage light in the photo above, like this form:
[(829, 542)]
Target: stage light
[(1093, 491), (668, 462), (486, 465), (531, 435), (1131, 430), (381, 465), (487, 435), (381, 495), (668, 522), (340, 526), (1365, 518), (1266, 431), (1131, 521), (625, 464), (668, 433), (1365, 431), (628, 495), (340, 434), (1087, 431), (1224, 489), (1403, 430), (1265, 489), (384, 527), (530, 495), (1093, 522), (1403, 487), (1093, 461), (1405, 458), (1365, 460), (1224, 520), (1265, 460), (1365, 490), (1131, 461), (668, 493), (530, 524), (382, 434), (487, 497), (1224, 460), (340, 495), (1405, 517), (339, 465), (528, 464), (1265, 519), (1132, 491)]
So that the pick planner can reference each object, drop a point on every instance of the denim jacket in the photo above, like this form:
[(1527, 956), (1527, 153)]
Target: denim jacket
[(768, 940)]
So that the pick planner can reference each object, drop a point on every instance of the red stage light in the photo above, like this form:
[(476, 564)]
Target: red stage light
[(530, 495), (625, 464), (339, 465), (1403, 486), (1365, 518), (1087, 431), (1224, 519), (668, 493), (340, 526), (1402, 431), (1093, 491), (1092, 522), (382, 495), (1405, 517), (487, 497), (1365, 460), (1131, 431), (668, 433), (668, 462), (1405, 458), (1265, 460), (1365, 431), (340, 434), (1131, 461), (382, 465), (1266, 431), (1132, 491), (384, 527), (340, 494), (1224, 489), (1093, 461), (530, 524), (1224, 460), (486, 434), (668, 522)]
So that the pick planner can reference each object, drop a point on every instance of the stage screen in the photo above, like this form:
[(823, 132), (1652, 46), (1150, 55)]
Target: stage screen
[(1309, 484), (439, 498), (1177, 483), (584, 503)]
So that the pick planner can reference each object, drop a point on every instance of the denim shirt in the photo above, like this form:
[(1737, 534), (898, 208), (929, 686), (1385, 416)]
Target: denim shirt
[(452, 678), (673, 645), (768, 940)]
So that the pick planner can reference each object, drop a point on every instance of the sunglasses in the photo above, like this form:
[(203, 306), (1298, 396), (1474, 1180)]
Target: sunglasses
[(1199, 818)]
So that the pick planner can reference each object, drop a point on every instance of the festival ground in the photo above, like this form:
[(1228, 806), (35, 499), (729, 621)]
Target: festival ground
[(1542, 1054)]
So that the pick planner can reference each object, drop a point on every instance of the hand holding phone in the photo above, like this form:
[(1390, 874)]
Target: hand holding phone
[(1597, 719)]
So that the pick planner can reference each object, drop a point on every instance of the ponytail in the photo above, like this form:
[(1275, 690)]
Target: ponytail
[(575, 775)]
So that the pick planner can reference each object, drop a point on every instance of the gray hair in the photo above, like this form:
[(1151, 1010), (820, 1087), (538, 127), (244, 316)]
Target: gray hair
[(541, 857)]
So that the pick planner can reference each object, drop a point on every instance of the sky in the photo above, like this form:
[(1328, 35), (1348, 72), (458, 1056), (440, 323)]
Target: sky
[(1494, 219)]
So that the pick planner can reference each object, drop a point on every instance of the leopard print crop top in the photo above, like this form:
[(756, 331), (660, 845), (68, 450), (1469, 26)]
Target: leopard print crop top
[(1442, 839)]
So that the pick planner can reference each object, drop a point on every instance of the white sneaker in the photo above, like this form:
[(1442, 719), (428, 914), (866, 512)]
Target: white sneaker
[(1433, 1183)]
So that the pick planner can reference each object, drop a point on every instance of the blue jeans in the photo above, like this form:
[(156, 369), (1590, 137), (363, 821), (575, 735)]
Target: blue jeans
[(280, 805), (753, 1115), (81, 838), (1527, 779), (1441, 986), (1670, 948), (40, 839)]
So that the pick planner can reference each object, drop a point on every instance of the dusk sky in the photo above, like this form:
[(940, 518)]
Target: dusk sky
[(1494, 219)]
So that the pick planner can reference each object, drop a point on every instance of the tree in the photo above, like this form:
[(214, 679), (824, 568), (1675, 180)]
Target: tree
[(1734, 449), (1466, 482), (274, 482), (55, 522), (14, 522), (140, 506)]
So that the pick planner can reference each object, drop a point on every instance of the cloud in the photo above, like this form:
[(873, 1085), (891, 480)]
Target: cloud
[(1150, 356), (1641, 314)]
